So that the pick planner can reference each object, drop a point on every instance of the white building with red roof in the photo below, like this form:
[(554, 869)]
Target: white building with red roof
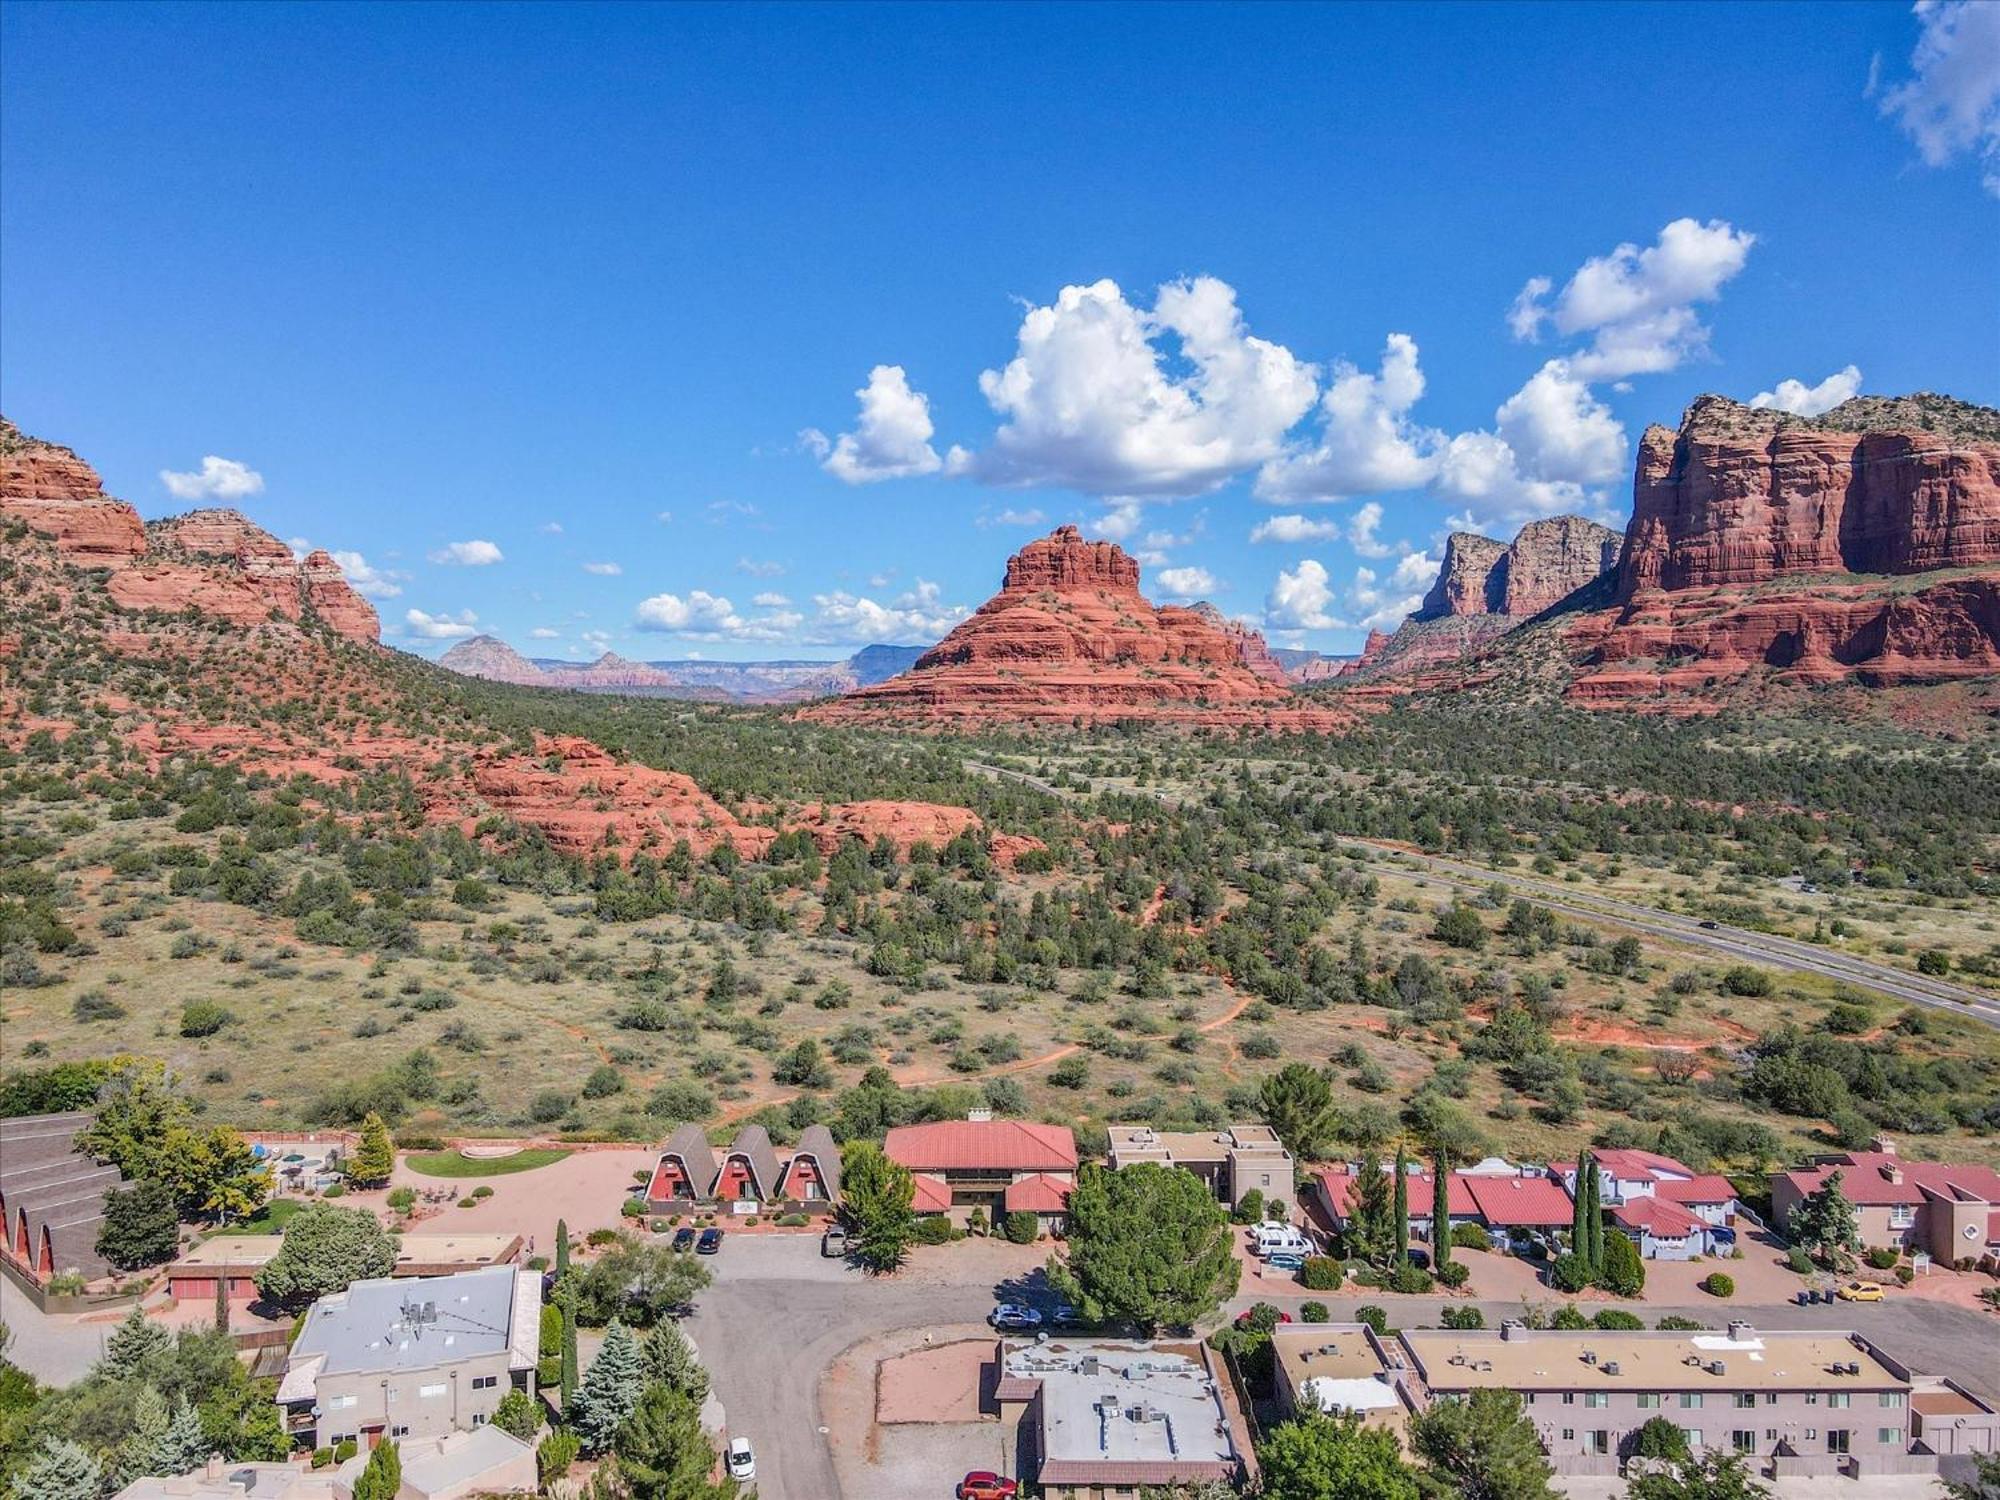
[(993, 1165), (1499, 1197), (1950, 1211), (1625, 1176)]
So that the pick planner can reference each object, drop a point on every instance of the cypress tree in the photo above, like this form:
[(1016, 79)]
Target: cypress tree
[(1402, 1209), (383, 1476), (1579, 1235), (568, 1294), (1440, 1210), (562, 1248), (222, 1304)]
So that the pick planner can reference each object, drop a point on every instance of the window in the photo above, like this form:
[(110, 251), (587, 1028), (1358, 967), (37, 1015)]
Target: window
[(1812, 1398), (340, 1402), (1812, 1434), (1902, 1215), (1770, 1398), (485, 1382), (1743, 1440), (1599, 1443), (1888, 1436), (1693, 1436), (479, 1419), (1597, 1399), (1891, 1398), (399, 1430), (1841, 1399), (1569, 1434), (1742, 1399), (1770, 1434), (1649, 1400), (1836, 1440), (429, 1391), (1690, 1400), (1569, 1398)]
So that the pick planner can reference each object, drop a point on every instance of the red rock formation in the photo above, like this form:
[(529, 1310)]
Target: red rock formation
[(1741, 496), (1069, 635), (1551, 559), (1466, 584), (1251, 647), (903, 823), (324, 590), (490, 657), (610, 671), (56, 493)]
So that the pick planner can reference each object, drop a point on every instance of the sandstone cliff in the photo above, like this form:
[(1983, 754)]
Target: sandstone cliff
[(490, 657), (1069, 635), (214, 561), (1251, 647)]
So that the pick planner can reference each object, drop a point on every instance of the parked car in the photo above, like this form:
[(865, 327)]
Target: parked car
[(684, 1238), (1282, 1262), (742, 1461), (1279, 1239), (709, 1243), (984, 1484), (1013, 1317), (1420, 1259), (1861, 1291), (833, 1244), (1243, 1318), (1065, 1316)]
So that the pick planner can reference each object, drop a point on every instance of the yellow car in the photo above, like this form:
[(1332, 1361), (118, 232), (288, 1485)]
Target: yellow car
[(1860, 1291)]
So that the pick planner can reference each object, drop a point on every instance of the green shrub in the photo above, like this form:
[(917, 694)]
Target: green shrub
[(1624, 1272), (548, 1372), (345, 1449), (1313, 1312), (793, 1221), (1676, 1323), (1881, 1257), (1569, 1317), (322, 1458), (402, 1199), (933, 1229), (551, 1331), (1251, 1208), (1616, 1319), (1569, 1274), (1743, 979), (482, 1191), (1800, 1262), (1411, 1280), (1021, 1227), (1463, 1318), (1719, 1284), (635, 1208), (203, 1018), (1320, 1273), (1469, 1237), (1454, 1273), (1907, 1274), (1375, 1317)]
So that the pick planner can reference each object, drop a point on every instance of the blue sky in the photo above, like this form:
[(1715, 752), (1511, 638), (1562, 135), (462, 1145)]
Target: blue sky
[(422, 284)]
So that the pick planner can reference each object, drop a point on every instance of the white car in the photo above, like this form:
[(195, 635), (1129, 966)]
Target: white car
[(1011, 1316), (742, 1461)]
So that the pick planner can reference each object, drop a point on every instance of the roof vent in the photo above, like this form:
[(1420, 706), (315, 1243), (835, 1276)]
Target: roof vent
[(979, 1115), (1511, 1328), (1715, 1367), (1611, 1367), (1457, 1359), (1590, 1356)]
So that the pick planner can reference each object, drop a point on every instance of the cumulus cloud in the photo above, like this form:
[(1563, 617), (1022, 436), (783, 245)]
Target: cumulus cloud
[(551, 528), (217, 479), (770, 600), (473, 554), (919, 616), (603, 569), (1482, 472), (543, 633), (891, 439), (1637, 304), (1184, 583), (1295, 529), (366, 580), (1118, 521), (1361, 533), (1559, 430), (1380, 603), (441, 627), (1112, 399), (1302, 599), (1010, 517), (759, 568), (1804, 400), (1366, 440), (699, 611), (1950, 105)]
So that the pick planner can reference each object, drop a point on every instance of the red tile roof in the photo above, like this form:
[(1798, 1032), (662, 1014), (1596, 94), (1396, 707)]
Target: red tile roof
[(1710, 1187), (1526, 1202), (1865, 1177), (1337, 1190), (1664, 1218), (1634, 1166), (1040, 1194), (989, 1145), (932, 1196)]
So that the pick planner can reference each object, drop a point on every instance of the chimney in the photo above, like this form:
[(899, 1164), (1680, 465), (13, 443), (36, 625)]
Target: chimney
[(1740, 1331), (1512, 1328), (979, 1115), (1883, 1144), (1892, 1171), (212, 1470)]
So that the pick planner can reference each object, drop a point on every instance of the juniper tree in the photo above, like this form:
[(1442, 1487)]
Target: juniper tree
[(1401, 1209)]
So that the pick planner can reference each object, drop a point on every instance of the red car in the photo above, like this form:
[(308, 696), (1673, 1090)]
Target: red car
[(984, 1484), (1243, 1318)]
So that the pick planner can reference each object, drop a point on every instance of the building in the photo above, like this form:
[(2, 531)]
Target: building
[(485, 1461), (1339, 1368), (1950, 1422), (1805, 1402), (685, 1172), (51, 1198), (237, 1258), (1233, 1162), (975, 1161), (1100, 1418), (1505, 1200), (416, 1357), (813, 1173), (1664, 1230), (1625, 1176), (220, 1480), (1950, 1212), (749, 1175)]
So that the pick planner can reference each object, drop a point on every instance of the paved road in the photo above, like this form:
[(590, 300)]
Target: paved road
[(1731, 942), (56, 1351), (778, 1316)]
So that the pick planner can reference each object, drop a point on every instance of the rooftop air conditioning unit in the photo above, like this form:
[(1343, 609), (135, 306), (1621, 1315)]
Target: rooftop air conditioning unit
[(1590, 1356), (1715, 1367), (1611, 1367)]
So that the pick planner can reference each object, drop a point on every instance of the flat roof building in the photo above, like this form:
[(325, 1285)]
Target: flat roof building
[(51, 1197), (1233, 1161), (1340, 1368), (237, 1258)]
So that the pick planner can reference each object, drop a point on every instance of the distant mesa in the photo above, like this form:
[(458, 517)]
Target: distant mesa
[(1069, 636), (786, 681), (217, 562)]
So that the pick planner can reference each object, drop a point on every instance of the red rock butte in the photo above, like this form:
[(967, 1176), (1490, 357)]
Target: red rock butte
[(1069, 636), (214, 561)]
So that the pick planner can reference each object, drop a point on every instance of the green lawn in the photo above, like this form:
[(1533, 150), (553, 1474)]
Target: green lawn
[(270, 1219), (457, 1164)]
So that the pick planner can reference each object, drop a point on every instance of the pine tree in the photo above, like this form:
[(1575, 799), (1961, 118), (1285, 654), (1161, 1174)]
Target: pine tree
[(1402, 1205), (670, 1361), (374, 1159), (1369, 1235), (133, 1344), (662, 1452), (61, 1470), (383, 1476), (185, 1448), (610, 1391), (143, 1449), (1441, 1210)]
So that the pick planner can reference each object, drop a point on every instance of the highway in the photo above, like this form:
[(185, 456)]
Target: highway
[(1732, 942)]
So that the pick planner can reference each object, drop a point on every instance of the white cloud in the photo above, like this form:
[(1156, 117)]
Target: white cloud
[(1804, 400), (1559, 430), (770, 601), (1294, 529), (917, 616), (1120, 519), (473, 554), (543, 633), (1951, 103), (551, 528), (759, 568), (603, 569), (1361, 533), (892, 438), (1367, 440), (699, 611), (366, 580), (1383, 603), (1638, 305), (1302, 599), (1030, 517), (1185, 583), (218, 479), (1090, 403), (441, 627), (1483, 472), (665, 517)]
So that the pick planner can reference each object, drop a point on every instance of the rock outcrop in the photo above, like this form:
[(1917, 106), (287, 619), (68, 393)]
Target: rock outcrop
[(1070, 636), (1251, 647), (490, 657), (1861, 545), (1742, 496), (215, 561)]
